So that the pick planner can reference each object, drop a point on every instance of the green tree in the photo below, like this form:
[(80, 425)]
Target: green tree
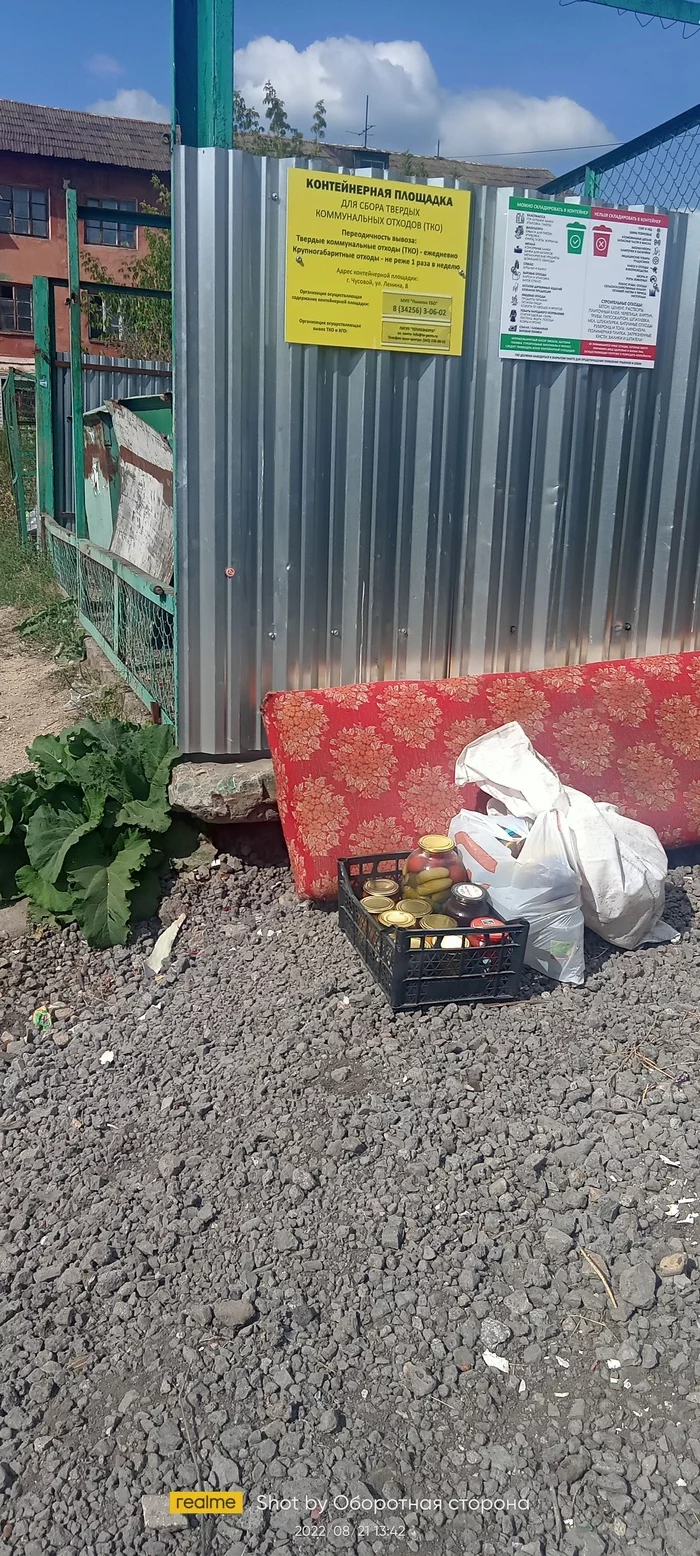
[(141, 325), (280, 130), (278, 140), (245, 119), (319, 122), (275, 112)]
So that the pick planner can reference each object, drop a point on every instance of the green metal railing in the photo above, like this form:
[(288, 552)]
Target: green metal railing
[(20, 421), (661, 168), (129, 616)]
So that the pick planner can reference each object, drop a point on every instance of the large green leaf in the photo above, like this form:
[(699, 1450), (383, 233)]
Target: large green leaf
[(44, 896), (18, 797), (155, 746), (154, 751), (53, 832), (108, 736), (12, 856), (86, 784), (137, 769), (149, 815), (52, 758), (145, 764), (25, 798), (103, 908), (97, 770)]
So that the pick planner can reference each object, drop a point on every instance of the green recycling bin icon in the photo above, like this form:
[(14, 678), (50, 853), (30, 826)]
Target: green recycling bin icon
[(575, 233)]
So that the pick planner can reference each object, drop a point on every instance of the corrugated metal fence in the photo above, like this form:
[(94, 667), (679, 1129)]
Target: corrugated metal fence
[(383, 514), (104, 378)]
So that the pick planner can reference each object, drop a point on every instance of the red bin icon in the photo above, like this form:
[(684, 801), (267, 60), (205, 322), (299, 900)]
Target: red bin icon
[(601, 241)]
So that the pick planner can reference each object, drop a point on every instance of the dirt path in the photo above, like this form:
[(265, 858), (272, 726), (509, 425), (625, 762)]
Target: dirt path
[(33, 696)]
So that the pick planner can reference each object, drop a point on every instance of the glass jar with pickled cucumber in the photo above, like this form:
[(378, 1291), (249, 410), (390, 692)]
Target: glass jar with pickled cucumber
[(431, 870)]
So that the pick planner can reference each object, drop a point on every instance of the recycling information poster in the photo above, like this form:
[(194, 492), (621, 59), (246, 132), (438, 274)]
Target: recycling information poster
[(374, 264), (582, 283)]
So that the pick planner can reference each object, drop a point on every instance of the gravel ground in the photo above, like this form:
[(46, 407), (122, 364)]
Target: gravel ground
[(269, 1244)]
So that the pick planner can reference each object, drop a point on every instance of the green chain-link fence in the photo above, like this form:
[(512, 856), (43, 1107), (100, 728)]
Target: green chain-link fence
[(128, 615), (660, 168)]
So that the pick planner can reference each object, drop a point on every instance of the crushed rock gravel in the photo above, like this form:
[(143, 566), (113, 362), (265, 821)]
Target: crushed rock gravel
[(269, 1245)]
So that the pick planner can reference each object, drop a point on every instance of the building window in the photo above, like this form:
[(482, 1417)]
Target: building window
[(16, 310), (104, 319), (115, 234), (24, 211)]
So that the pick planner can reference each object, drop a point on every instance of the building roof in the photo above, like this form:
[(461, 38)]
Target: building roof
[(34, 131), (434, 167), (399, 166)]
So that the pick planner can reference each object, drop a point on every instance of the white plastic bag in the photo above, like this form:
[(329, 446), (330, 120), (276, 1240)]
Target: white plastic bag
[(482, 849), (620, 863), (539, 886), (545, 891)]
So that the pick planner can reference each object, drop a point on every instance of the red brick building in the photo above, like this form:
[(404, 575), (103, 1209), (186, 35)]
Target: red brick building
[(43, 151)]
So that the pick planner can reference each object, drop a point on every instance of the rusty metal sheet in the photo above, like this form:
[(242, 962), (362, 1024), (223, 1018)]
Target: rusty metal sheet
[(143, 531)]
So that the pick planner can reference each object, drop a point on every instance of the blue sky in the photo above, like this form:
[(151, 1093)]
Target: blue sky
[(510, 76)]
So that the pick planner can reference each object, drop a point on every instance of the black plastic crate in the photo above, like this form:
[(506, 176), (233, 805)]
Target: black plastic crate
[(415, 978)]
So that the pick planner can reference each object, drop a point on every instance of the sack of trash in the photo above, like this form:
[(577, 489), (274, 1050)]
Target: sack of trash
[(538, 885), (620, 864)]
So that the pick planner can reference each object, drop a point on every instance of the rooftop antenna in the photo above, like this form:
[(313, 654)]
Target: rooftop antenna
[(363, 134)]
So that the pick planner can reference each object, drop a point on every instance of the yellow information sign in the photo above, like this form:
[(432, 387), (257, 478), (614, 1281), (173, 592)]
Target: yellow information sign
[(376, 265)]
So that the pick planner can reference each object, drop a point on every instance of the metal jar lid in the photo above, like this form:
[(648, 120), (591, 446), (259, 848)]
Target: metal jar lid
[(382, 886), (417, 906), (435, 844), (376, 905), (438, 921), (397, 918), (468, 891)]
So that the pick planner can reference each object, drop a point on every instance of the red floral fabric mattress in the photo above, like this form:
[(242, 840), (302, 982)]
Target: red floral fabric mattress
[(365, 768)]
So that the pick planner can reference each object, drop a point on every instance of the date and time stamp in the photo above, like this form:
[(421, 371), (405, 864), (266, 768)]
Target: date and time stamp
[(342, 1518)]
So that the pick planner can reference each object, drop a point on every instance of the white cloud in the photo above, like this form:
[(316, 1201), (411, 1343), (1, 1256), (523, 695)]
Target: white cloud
[(104, 65), (132, 103), (408, 106), (505, 121)]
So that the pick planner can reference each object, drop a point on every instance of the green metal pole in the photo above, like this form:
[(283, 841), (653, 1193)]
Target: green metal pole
[(590, 186), (15, 451), (76, 361), (203, 72), (202, 94), (43, 363)]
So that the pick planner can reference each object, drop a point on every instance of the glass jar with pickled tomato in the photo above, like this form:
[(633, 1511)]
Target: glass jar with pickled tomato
[(432, 869)]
